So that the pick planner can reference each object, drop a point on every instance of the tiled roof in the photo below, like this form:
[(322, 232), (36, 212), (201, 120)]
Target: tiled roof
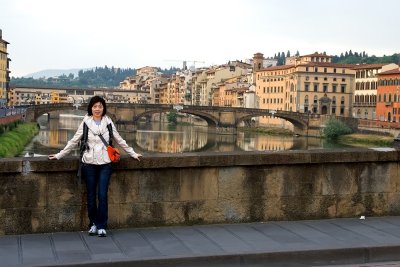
[(327, 64), (316, 54), (368, 66), (283, 67), (395, 71)]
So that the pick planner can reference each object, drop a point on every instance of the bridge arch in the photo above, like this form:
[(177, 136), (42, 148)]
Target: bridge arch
[(299, 123)]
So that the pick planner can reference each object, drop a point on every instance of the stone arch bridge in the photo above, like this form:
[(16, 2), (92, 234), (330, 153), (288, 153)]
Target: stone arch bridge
[(222, 119)]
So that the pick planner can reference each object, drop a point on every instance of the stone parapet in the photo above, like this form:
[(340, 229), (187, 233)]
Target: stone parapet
[(38, 195)]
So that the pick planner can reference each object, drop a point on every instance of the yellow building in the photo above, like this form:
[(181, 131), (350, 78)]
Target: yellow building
[(312, 85), (4, 71)]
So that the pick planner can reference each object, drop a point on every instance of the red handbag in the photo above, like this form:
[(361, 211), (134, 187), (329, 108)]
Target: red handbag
[(113, 154)]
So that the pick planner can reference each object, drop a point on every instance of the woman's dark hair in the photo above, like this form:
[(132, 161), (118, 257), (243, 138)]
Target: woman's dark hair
[(94, 100)]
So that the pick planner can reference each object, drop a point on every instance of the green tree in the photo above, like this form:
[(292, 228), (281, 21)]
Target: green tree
[(335, 128), (172, 118)]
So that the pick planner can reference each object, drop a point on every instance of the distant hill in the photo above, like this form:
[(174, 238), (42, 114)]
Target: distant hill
[(54, 73)]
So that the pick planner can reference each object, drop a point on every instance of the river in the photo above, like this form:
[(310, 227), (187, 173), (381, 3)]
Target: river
[(156, 137)]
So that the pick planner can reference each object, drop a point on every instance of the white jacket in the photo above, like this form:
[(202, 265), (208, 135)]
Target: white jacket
[(97, 153)]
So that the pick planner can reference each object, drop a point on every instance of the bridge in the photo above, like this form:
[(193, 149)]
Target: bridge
[(222, 119)]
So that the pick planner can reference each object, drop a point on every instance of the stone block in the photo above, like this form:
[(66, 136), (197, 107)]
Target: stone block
[(63, 190), (159, 186), (124, 187), (18, 221), (21, 191), (2, 221), (10, 165), (198, 184)]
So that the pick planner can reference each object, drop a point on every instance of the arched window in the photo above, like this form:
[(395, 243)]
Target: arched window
[(357, 100), (362, 98), (367, 84)]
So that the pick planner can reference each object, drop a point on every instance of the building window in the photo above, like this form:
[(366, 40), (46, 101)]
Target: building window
[(334, 70), (334, 110), (325, 70), (315, 87), (334, 88), (342, 100), (316, 69), (343, 88), (325, 87), (341, 110), (306, 68)]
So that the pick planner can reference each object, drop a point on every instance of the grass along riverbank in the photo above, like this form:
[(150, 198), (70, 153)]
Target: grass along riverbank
[(12, 142), (356, 139)]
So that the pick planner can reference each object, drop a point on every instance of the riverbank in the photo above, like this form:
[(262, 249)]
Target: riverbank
[(362, 140), (12, 142), (354, 139)]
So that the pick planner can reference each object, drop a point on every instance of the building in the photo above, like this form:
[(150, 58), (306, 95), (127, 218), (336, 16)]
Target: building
[(388, 96), (147, 81), (4, 71), (364, 103), (205, 81), (28, 95), (312, 85)]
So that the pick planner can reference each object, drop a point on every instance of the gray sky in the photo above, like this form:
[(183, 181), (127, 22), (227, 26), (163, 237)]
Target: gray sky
[(63, 34)]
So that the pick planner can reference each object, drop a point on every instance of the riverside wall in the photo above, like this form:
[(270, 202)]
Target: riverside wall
[(38, 195)]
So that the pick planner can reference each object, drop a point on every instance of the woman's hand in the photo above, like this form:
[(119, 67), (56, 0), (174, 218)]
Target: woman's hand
[(137, 156), (52, 157)]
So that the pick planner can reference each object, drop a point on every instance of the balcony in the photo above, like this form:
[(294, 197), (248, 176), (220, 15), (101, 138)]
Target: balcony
[(388, 103)]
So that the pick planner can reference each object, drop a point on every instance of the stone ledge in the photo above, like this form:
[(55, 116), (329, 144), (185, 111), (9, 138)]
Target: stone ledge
[(208, 159)]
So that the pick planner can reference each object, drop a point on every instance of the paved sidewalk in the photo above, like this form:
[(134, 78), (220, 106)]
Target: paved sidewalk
[(285, 243)]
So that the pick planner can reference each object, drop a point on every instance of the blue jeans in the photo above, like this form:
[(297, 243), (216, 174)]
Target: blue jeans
[(97, 179)]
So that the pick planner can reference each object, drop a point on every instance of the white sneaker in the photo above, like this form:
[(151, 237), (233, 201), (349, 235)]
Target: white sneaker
[(102, 233), (92, 230)]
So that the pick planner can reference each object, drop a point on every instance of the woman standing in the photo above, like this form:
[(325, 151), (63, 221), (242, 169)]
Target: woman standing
[(96, 164)]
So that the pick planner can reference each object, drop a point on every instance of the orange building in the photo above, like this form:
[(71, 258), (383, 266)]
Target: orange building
[(388, 102)]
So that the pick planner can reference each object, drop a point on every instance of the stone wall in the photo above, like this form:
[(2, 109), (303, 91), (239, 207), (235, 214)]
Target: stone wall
[(38, 195)]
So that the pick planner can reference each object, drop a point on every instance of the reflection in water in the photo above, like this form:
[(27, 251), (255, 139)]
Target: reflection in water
[(161, 137)]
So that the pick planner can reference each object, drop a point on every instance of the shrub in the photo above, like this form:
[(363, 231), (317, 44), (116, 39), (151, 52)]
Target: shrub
[(172, 118), (335, 128)]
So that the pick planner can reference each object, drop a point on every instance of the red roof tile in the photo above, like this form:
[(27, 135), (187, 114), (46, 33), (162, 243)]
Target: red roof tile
[(395, 71), (368, 66)]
